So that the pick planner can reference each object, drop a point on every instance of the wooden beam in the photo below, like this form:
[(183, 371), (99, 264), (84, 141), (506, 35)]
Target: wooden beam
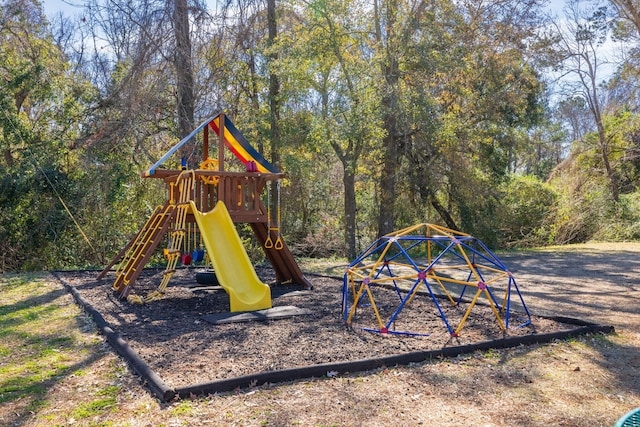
[(221, 143), (205, 143)]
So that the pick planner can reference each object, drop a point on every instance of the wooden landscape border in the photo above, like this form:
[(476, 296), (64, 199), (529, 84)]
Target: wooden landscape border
[(166, 394)]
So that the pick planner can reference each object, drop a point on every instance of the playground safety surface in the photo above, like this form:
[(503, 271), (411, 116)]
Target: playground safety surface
[(173, 337)]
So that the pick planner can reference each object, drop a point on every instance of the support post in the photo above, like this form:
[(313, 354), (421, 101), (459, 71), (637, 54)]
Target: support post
[(205, 142), (221, 143)]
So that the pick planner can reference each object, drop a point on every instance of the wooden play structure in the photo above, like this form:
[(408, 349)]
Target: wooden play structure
[(195, 192)]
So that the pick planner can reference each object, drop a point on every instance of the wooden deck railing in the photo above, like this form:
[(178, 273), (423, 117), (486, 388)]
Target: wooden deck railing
[(240, 192)]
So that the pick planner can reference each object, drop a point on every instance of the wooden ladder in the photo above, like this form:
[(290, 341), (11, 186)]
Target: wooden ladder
[(141, 248)]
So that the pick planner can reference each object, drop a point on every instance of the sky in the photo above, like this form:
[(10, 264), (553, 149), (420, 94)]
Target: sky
[(52, 7)]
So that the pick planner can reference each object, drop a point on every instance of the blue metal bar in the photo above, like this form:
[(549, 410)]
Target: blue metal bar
[(369, 251), (493, 298), (345, 298), (497, 260), (442, 315), (515, 285), (402, 304), (436, 259), (464, 288), (508, 308), (403, 250), (176, 147), (453, 252), (395, 332), (493, 260), (390, 273)]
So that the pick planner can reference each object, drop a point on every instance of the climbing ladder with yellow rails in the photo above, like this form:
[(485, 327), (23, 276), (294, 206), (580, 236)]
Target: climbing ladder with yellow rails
[(177, 233), (170, 219), (140, 249)]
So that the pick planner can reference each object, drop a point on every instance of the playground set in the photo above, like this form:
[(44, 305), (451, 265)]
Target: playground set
[(203, 205), (443, 262), (200, 211)]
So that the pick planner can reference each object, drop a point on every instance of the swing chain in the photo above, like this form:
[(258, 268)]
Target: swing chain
[(268, 244), (279, 244)]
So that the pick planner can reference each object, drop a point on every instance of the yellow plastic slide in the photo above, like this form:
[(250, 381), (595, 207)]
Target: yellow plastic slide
[(232, 266)]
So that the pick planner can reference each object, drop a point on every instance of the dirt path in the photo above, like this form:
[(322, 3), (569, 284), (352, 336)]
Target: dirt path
[(600, 282)]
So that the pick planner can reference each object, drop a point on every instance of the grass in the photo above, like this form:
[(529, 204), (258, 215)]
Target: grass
[(41, 343), (56, 371), (326, 266)]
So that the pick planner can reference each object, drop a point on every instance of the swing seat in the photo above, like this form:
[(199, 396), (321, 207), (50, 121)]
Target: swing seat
[(198, 255), (186, 259)]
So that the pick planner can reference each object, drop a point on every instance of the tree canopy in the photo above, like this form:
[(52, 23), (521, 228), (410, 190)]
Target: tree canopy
[(492, 117)]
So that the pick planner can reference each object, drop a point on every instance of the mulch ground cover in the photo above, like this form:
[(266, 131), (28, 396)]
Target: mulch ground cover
[(174, 338)]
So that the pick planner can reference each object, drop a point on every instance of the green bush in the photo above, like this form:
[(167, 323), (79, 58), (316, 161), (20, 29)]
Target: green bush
[(625, 225), (525, 210)]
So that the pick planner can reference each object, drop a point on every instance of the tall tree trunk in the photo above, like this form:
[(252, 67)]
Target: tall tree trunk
[(594, 105), (349, 160), (581, 49), (349, 181), (274, 86), (274, 92), (254, 91), (386, 210), (349, 155), (390, 70), (184, 68)]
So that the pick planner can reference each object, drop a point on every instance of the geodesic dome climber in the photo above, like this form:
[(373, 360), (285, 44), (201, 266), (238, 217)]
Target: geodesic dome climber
[(437, 265)]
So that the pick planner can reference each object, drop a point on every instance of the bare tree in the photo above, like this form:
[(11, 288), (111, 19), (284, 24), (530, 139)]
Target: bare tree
[(579, 42), (139, 56), (629, 10)]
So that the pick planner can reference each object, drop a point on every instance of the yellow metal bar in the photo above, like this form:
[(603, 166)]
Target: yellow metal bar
[(450, 280), (493, 279), (364, 286), (415, 292), (495, 310), (375, 308), (437, 279), (471, 266), (495, 270), (355, 303), (452, 267), (448, 230), (468, 312), (504, 299), (405, 230)]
